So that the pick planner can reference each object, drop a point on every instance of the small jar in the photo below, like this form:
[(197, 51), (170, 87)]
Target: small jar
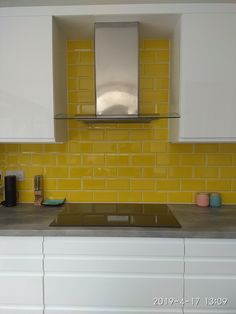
[(202, 199), (215, 200)]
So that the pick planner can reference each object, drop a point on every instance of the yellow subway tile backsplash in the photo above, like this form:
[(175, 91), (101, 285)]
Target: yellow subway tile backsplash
[(122, 162)]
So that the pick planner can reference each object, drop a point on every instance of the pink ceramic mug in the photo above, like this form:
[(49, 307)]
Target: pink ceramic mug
[(202, 199)]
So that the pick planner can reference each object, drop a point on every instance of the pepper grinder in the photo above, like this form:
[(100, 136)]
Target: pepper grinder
[(38, 190)]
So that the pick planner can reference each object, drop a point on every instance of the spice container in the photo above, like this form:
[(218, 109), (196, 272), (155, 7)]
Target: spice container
[(215, 200), (202, 199)]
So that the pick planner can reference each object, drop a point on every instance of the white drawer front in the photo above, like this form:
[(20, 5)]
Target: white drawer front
[(20, 245), (209, 266), (146, 265), (77, 310), (110, 290), (21, 310), (210, 248), (113, 246), (21, 289), (207, 287)]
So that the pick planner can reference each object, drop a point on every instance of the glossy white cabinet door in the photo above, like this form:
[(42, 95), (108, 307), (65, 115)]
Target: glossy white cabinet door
[(21, 275), (210, 276), (112, 275), (204, 75), (27, 87)]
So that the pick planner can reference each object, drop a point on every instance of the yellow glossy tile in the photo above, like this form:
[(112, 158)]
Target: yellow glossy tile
[(86, 57), (143, 160), (68, 160), (55, 148), (12, 148), (57, 195), (154, 172), (156, 44), (180, 197), (142, 184), (79, 44), (147, 56), (219, 160), (116, 135), (68, 184), (91, 134), (104, 172), (161, 83), (180, 172), (206, 148), (56, 172), (146, 82), (168, 159), (134, 197), (93, 184), (49, 184), (118, 184), (180, 148), (167, 185), (80, 172), (104, 147), (93, 159), (193, 185), (227, 148), (228, 172), (27, 184), (131, 172), (72, 84), (45, 160), (155, 147), (26, 197), (24, 159), (117, 160), (161, 135), (80, 71), (78, 147), (86, 83), (193, 160), (31, 148), (228, 197), (80, 196), (73, 57), (158, 197), (162, 56), (12, 159), (218, 185), (105, 196), (159, 70), (129, 147), (138, 135), (206, 172), (31, 171)]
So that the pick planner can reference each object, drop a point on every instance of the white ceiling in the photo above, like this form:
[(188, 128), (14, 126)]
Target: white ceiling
[(17, 3), (150, 26)]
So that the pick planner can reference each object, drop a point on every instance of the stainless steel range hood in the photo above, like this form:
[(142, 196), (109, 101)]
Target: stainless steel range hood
[(116, 69), (117, 76)]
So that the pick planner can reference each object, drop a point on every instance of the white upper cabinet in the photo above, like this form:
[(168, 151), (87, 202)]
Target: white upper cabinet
[(32, 79), (204, 78)]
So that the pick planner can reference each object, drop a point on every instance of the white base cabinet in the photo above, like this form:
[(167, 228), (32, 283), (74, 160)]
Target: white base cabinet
[(32, 80), (21, 275), (112, 275), (203, 78), (210, 276), (95, 275)]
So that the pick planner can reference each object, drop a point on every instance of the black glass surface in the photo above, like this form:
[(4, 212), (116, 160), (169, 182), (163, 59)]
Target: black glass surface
[(116, 215)]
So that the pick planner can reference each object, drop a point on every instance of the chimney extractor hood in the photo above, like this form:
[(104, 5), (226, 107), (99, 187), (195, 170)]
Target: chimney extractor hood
[(116, 69), (117, 75)]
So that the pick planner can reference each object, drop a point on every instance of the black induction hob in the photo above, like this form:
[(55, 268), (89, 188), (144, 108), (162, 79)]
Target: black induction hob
[(116, 215)]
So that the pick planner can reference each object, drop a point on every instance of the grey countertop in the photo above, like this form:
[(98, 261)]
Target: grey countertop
[(196, 222)]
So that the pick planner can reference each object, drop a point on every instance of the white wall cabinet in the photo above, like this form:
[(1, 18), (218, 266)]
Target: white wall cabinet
[(210, 276), (32, 79), (112, 275), (203, 78), (21, 275)]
